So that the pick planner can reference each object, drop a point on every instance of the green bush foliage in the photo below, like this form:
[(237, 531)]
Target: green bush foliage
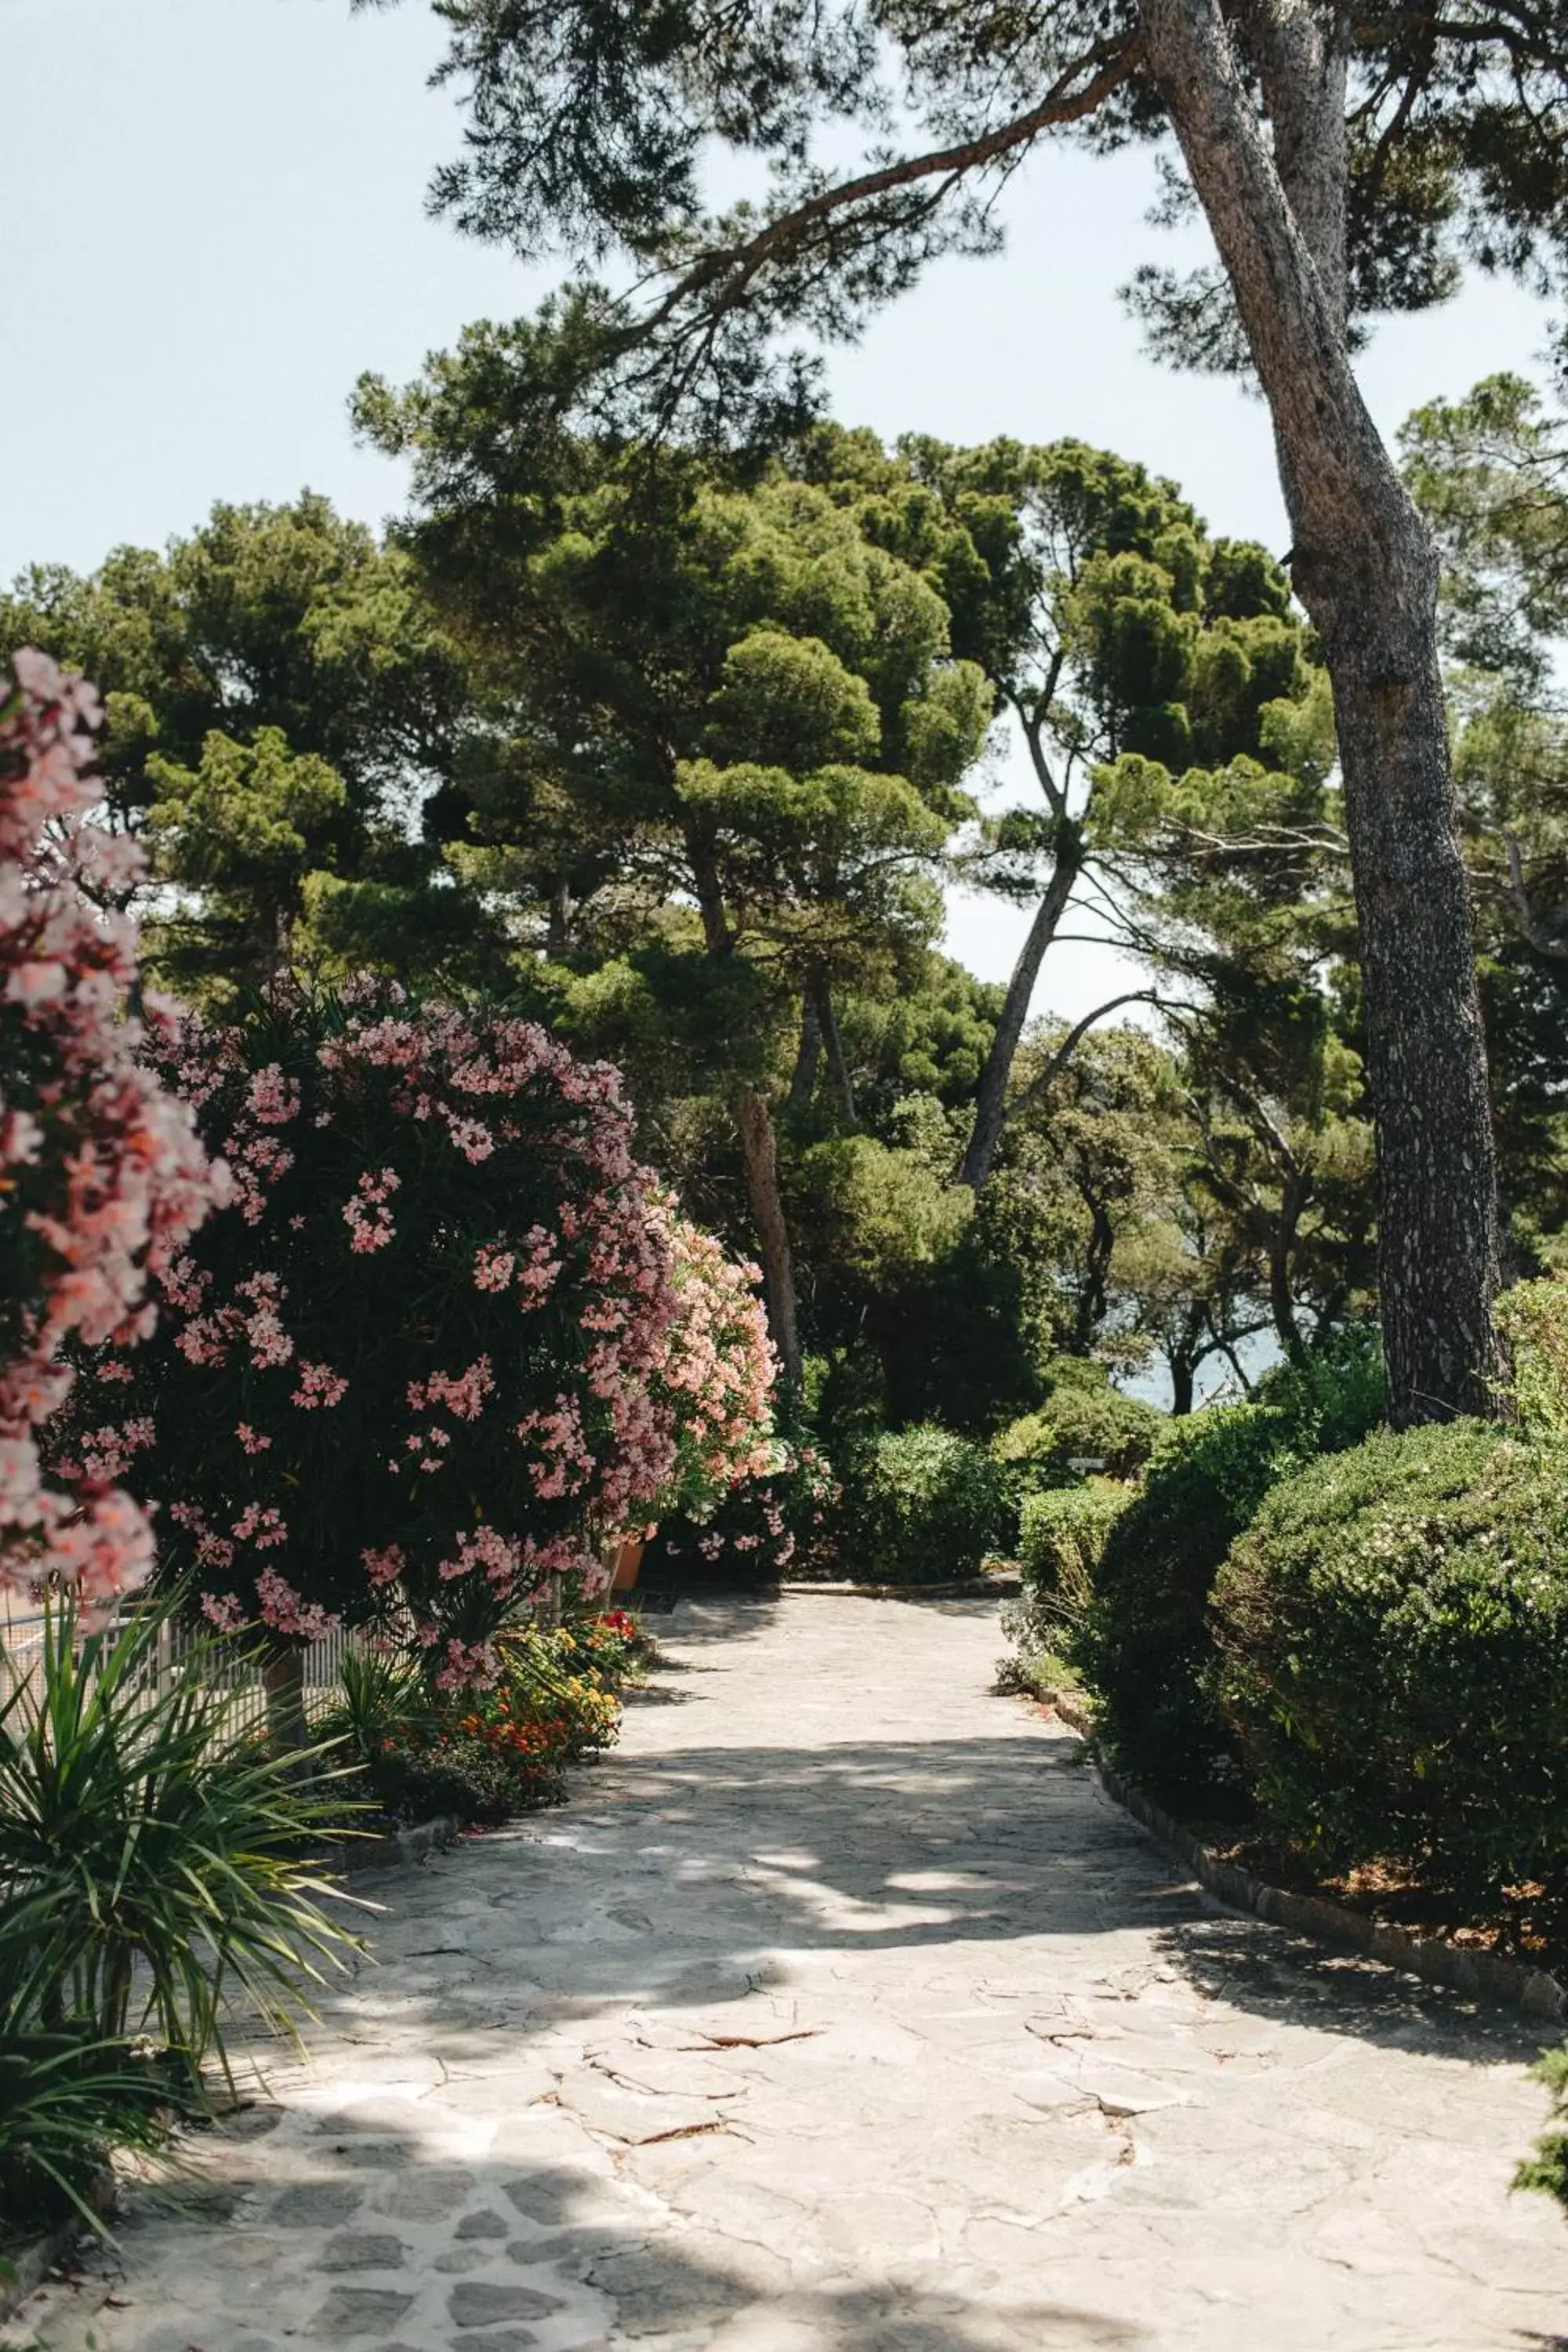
[(1062, 1534), (1143, 1643), (925, 1505), (1393, 1638), (67, 2100), (1533, 1317), (150, 1854), (1547, 2169), (488, 1755), (463, 1775), (1145, 1646), (1082, 1419), (151, 1873), (909, 1274)]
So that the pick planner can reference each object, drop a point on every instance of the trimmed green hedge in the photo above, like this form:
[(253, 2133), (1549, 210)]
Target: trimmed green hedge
[(1078, 1423), (1143, 1643), (1393, 1637), (1062, 1534), (1145, 1647), (926, 1505)]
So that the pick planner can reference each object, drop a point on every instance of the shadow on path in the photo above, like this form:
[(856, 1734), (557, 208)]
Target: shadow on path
[(693, 1876)]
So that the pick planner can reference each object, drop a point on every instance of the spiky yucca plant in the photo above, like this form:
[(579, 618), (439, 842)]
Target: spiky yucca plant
[(154, 1858)]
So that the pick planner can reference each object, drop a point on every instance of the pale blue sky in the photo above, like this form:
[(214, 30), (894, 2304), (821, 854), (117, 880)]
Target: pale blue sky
[(213, 218)]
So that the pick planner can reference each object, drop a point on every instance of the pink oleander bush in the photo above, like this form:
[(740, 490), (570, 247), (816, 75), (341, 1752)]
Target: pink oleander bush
[(102, 1178), (779, 1518), (447, 1335), (715, 1381)]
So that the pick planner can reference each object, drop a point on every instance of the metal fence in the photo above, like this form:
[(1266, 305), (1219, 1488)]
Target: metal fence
[(223, 1665)]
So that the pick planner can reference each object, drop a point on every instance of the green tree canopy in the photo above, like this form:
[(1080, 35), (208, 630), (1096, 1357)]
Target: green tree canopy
[(729, 737), (279, 703), (1491, 471), (1111, 627), (1347, 159)]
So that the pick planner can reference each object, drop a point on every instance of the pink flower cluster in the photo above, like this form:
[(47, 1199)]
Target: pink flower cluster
[(366, 1215), (101, 1174), (319, 1385), (284, 1611), (540, 1352), (462, 1393), (716, 1370)]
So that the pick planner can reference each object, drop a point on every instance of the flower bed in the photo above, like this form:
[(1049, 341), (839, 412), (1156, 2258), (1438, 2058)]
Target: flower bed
[(485, 1755)]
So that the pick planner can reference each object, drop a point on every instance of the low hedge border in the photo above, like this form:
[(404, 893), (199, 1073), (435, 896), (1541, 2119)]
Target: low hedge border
[(1480, 1976)]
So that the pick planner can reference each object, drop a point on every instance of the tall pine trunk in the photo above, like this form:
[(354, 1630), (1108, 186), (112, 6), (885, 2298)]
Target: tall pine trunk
[(827, 1023), (760, 1156), (1365, 570), (991, 1098), (753, 1124), (1439, 1247)]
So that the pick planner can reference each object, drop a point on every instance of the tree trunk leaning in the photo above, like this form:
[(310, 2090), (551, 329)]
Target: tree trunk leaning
[(991, 1098), (827, 1023), (1365, 570)]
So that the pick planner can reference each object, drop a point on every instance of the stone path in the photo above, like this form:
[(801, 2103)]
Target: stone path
[(841, 2010)]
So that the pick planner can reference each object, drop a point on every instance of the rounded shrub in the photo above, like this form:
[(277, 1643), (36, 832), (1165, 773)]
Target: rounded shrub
[(928, 1504), (1079, 1424), (1144, 1643), (1392, 1658), (446, 1332), (781, 1518), (1062, 1533), (1145, 1646), (1533, 1319)]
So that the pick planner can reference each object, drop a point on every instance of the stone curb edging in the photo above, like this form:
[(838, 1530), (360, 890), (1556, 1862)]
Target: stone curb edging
[(32, 2263), (1483, 1976)]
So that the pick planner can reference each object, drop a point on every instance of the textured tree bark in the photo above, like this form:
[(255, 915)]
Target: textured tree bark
[(1281, 1250), (828, 1025), (760, 1154), (283, 1679), (558, 937), (803, 1083), (1366, 572), (991, 1099), (754, 1127)]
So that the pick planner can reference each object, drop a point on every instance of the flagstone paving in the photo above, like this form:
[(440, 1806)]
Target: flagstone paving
[(842, 2012)]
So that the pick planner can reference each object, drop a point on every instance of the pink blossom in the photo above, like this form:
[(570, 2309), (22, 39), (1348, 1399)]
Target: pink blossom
[(462, 1393), (383, 1566), (493, 1266), (101, 1164), (261, 1526), (368, 1218), (33, 984), (560, 1350), (319, 1385), (286, 1611)]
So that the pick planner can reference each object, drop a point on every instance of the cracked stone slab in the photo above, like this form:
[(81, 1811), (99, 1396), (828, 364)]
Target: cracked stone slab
[(842, 2012)]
